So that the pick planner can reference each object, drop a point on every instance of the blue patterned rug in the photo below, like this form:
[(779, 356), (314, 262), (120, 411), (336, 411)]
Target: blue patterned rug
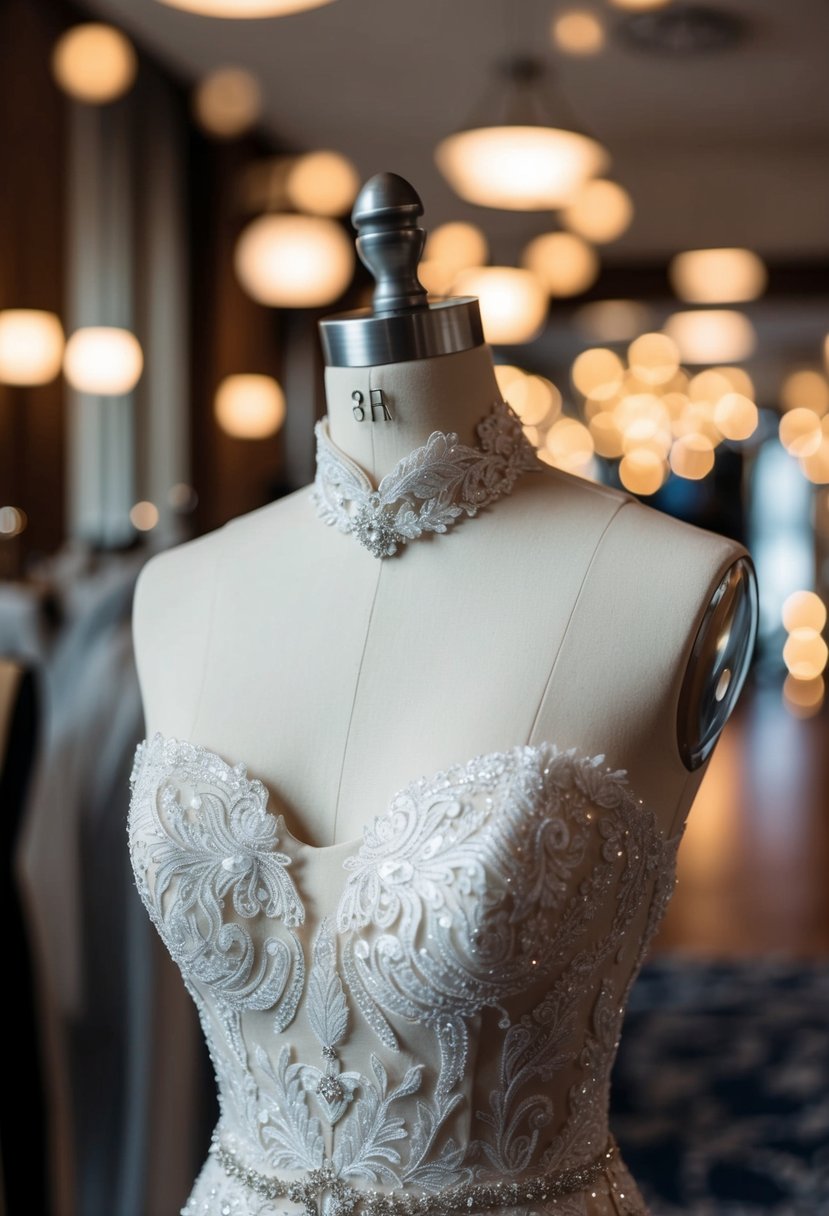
[(721, 1088)]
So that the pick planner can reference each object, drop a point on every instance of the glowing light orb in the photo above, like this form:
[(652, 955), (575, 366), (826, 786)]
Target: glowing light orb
[(294, 261), (249, 406), (563, 262), (94, 63), (103, 360), (601, 211), (513, 303), (31, 346), (227, 102)]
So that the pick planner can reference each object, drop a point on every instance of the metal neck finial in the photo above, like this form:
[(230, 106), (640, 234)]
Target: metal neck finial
[(403, 323), (390, 241)]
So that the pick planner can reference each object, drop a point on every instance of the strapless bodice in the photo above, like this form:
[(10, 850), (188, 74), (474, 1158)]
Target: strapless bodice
[(430, 1010)]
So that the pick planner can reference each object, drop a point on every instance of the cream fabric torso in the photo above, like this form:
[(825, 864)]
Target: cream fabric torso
[(558, 620)]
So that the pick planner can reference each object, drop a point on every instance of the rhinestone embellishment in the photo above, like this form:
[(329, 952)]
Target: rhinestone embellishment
[(347, 1199), (426, 491)]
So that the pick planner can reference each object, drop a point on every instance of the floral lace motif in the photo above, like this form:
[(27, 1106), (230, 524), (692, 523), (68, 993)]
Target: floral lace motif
[(465, 994), (428, 489)]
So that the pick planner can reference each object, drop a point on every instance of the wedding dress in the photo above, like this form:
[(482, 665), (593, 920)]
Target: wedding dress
[(420, 1020)]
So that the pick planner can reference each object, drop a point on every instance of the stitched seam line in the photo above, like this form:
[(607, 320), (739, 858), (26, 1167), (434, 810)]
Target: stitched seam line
[(354, 701), (557, 656)]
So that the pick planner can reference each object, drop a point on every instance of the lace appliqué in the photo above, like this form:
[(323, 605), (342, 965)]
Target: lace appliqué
[(500, 902), (191, 859), (428, 489)]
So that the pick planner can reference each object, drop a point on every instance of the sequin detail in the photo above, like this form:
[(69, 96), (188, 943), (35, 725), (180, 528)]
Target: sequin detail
[(345, 1199)]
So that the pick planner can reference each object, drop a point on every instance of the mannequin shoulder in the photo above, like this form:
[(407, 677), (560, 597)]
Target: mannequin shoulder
[(174, 582), (171, 615), (706, 585)]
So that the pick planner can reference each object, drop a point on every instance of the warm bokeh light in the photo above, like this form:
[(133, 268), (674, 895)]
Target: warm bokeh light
[(815, 466), (608, 439), (805, 388), (601, 211), (227, 102), (322, 183), (249, 406), (800, 432), (103, 360), (513, 302), (94, 63), (804, 698), (638, 6), (569, 444), (294, 261), (653, 358), (597, 373), (692, 456), (739, 380), (563, 262), (456, 247), (144, 516), (709, 385), (642, 471), (717, 276), (518, 168), (244, 8), (182, 497), (534, 399), (736, 416), (13, 520), (644, 423), (804, 610), (507, 374), (435, 277), (31, 346), (714, 335), (805, 654), (612, 320), (577, 32)]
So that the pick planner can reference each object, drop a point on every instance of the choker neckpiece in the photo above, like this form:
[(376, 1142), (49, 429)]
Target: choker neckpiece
[(428, 489)]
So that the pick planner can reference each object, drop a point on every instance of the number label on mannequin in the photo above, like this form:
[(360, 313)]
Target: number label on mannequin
[(377, 402)]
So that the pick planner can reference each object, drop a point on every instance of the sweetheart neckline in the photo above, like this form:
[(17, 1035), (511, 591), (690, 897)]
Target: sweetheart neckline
[(272, 800)]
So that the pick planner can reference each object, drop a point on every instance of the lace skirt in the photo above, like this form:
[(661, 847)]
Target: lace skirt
[(613, 1194)]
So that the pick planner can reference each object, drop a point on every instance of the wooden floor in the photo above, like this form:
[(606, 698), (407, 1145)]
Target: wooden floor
[(754, 864)]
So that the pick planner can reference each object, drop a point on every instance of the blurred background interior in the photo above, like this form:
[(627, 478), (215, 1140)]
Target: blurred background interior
[(638, 192)]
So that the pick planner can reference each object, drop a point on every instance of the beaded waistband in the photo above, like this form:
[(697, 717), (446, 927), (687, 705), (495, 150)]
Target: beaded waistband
[(348, 1200)]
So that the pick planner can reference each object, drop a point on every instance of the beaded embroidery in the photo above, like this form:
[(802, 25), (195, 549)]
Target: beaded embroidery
[(465, 992), (428, 489), (482, 1196)]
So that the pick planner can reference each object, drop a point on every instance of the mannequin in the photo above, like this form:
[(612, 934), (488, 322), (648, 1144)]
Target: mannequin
[(398, 870), (567, 611)]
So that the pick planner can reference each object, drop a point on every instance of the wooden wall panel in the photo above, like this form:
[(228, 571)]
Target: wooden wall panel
[(32, 172)]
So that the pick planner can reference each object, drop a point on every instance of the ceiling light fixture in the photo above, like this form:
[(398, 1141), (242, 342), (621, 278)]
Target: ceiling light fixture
[(294, 261), (717, 276), (524, 161), (712, 335), (244, 8)]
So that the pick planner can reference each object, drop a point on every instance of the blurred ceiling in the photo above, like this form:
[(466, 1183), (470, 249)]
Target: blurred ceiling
[(723, 148)]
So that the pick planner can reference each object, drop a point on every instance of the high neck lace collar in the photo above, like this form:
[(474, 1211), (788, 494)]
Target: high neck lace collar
[(428, 489)]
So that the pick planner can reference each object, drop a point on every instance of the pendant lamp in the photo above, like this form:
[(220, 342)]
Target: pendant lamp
[(244, 8), (523, 151)]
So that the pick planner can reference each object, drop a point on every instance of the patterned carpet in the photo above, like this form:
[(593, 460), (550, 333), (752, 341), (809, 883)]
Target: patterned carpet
[(721, 1088)]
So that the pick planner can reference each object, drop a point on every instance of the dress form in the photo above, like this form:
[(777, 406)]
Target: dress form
[(566, 612)]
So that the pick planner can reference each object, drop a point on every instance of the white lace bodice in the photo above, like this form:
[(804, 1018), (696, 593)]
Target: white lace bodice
[(435, 1004)]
